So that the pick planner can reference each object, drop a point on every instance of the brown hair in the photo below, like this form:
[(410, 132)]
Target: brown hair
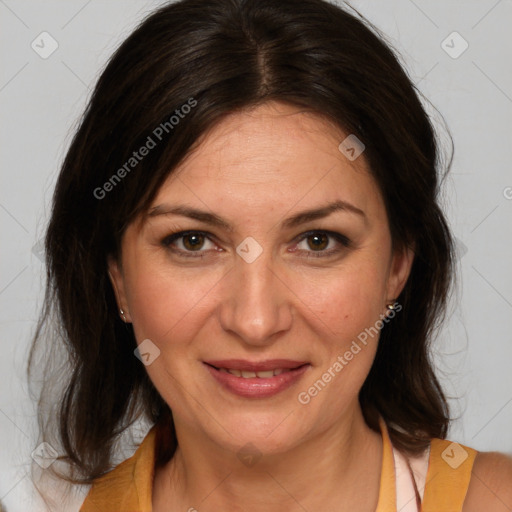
[(226, 56)]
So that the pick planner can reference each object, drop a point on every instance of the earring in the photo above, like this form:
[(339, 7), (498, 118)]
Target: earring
[(122, 314), (391, 306)]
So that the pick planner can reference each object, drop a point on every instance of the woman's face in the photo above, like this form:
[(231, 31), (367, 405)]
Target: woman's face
[(270, 277)]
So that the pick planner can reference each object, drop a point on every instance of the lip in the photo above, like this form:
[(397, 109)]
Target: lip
[(257, 387)]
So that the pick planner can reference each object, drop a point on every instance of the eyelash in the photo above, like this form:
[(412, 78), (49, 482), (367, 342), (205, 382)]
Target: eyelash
[(341, 239)]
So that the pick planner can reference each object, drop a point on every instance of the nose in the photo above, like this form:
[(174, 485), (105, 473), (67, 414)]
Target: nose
[(256, 303)]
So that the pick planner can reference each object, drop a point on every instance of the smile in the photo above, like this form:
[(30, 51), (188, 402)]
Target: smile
[(256, 380), (267, 374)]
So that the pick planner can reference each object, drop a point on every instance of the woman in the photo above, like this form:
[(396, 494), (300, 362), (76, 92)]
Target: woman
[(246, 250)]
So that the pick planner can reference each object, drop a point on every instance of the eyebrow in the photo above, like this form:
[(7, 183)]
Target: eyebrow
[(295, 220)]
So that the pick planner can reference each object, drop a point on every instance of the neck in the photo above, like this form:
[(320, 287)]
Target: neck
[(341, 465)]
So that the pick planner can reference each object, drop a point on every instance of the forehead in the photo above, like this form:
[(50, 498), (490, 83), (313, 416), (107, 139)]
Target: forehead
[(272, 155)]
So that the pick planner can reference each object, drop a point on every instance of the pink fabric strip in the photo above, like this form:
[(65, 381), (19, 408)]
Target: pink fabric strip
[(405, 493)]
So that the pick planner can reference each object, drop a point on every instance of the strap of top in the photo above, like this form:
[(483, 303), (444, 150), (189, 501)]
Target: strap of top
[(127, 488), (387, 493), (441, 475), (448, 476)]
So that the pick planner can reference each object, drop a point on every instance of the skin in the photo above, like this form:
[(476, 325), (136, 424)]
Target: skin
[(490, 487), (255, 169)]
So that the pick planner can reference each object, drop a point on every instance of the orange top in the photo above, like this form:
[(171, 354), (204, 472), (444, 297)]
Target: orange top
[(128, 487)]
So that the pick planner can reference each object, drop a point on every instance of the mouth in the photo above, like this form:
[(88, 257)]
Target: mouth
[(266, 374), (256, 379)]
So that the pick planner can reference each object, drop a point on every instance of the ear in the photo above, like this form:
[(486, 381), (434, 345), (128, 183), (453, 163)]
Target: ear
[(401, 265), (116, 278)]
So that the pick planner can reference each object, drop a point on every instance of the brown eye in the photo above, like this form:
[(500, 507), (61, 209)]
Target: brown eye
[(188, 243), (193, 241), (322, 244), (318, 241)]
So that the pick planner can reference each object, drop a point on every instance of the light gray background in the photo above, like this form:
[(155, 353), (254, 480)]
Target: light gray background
[(41, 99)]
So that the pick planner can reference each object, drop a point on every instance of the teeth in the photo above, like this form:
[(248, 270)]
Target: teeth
[(267, 374)]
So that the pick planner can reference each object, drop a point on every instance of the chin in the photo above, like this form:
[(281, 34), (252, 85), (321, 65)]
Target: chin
[(269, 433)]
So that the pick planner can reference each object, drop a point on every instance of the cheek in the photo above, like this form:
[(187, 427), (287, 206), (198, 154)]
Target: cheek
[(343, 309), (163, 303), (346, 301)]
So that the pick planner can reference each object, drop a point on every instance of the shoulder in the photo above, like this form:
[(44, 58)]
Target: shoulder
[(490, 487)]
